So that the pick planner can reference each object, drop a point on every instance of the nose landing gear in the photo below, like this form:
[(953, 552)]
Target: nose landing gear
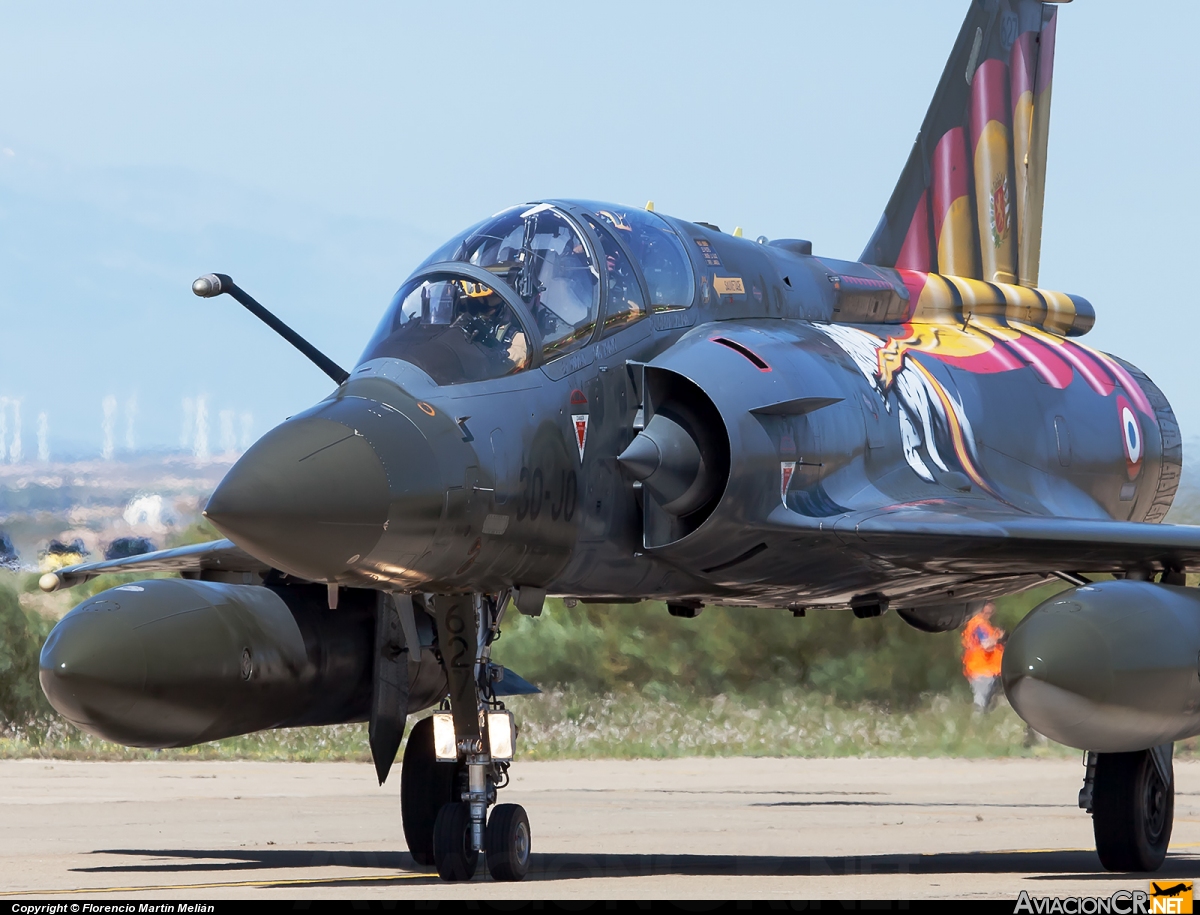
[(456, 761), (1131, 797)]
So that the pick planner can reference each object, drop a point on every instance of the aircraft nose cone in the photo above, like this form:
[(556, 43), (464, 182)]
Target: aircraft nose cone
[(92, 667), (310, 498)]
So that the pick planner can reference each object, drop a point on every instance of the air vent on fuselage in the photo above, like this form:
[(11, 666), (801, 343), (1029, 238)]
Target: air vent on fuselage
[(756, 359)]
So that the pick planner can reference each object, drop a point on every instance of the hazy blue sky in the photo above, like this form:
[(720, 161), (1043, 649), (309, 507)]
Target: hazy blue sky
[(318, 152)]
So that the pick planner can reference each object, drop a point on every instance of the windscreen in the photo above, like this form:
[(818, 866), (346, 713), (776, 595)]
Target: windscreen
[(454, 329)]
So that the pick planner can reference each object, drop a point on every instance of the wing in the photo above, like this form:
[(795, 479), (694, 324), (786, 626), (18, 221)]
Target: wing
[(947, 536), (214, 556)]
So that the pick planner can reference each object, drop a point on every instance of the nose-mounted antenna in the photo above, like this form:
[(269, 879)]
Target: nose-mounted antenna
[(214, 284)]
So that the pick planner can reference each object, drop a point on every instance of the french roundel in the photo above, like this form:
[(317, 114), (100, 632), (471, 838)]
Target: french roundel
[(1131, 437)]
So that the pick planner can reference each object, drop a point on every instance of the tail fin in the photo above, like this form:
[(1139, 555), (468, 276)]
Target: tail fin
[(982, 148)]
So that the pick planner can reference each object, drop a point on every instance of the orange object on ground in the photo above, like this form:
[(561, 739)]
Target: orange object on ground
[(979, 661)]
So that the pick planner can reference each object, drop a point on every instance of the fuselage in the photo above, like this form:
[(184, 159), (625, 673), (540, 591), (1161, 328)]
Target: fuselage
[(483, 483)]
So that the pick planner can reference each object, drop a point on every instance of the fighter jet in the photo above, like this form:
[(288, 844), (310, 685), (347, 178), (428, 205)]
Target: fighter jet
[(608, 404)]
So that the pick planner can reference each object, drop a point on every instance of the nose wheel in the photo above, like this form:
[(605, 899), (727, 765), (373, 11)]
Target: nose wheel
[(461, 756), (1131, 797), (455, 855), (507, 842)]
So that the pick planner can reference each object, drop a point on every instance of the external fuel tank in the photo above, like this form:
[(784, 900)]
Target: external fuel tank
[(1110, 667), (172, 662)]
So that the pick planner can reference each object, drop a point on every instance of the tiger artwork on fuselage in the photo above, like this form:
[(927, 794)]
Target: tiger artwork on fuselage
[(932, 416)]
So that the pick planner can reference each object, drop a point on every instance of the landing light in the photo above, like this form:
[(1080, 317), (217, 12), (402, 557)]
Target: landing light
[(443, 737), (502, 736)]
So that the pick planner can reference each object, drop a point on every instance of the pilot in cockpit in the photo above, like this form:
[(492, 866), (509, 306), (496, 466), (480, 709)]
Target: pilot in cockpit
[(485, 319)]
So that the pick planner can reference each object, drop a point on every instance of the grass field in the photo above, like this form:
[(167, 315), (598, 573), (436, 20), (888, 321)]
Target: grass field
[(653, 723)]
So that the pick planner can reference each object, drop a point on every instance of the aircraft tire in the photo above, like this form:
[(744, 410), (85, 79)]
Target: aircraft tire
[(508, 843), (425, 786), (452, 852), (1132, 812)]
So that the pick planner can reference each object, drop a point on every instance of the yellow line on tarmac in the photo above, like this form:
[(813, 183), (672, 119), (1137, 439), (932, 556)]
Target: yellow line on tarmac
[(308, 881)]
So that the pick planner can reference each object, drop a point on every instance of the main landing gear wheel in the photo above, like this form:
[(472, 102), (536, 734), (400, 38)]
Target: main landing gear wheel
[(453, 853), (426, 785), (507, 842), (1133, 810)]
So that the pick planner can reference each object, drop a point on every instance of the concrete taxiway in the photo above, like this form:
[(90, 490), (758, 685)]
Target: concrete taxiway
[(696, 828)]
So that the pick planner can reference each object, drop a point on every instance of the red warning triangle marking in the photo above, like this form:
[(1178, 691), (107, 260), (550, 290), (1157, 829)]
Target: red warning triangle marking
[(581, 423), (786, 469)]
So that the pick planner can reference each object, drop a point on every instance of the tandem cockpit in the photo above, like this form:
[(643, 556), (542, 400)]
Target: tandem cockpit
[(531, 284)]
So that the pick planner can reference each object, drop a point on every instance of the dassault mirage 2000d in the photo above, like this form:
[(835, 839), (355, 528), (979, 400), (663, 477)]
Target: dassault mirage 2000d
[(607, 404)]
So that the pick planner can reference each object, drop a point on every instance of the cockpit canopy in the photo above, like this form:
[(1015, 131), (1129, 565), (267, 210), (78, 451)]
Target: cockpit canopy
[(529, 285)]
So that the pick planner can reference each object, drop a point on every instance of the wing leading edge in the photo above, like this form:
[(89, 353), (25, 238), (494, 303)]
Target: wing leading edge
[(947, 537)]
